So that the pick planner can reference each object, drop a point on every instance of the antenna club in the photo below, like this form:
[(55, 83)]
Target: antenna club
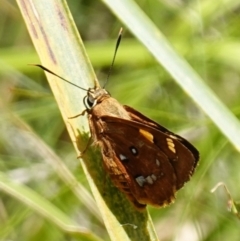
[(114, 55), (120, 31)]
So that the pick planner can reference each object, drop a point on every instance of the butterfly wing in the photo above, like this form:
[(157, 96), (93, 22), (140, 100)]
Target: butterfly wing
[(186, 154), (145, 160), (136, 166)]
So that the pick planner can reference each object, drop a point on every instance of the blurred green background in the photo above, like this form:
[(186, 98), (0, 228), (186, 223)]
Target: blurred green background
[(205, 33)]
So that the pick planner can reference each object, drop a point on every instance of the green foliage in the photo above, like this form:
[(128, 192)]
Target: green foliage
[(205, 33)]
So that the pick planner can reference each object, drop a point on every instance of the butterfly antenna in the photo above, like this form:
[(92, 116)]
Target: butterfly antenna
[(114, 56), (49, 71)]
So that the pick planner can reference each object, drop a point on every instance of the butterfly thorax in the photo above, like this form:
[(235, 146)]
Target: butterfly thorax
[(99, 103)]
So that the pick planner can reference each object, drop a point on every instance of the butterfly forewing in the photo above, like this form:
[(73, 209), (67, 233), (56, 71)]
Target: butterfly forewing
[(182, 154)]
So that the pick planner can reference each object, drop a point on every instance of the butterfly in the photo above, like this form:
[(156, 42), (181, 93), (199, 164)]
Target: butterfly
[(144, 160)]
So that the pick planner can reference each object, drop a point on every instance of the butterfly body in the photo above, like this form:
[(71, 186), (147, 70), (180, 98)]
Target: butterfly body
[(144, 160)]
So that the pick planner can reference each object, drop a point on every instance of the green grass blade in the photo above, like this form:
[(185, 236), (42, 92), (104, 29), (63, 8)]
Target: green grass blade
[(44, 208), (142, 27), (60, 49)]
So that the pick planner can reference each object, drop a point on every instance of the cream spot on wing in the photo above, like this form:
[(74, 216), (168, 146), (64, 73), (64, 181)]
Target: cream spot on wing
[(122, 157), (171, 145), (149, 180), (134, 150), (157, 162), (154, 177), (146, 134), (169, 141), (172, 149), (173, 137), (140, 180)]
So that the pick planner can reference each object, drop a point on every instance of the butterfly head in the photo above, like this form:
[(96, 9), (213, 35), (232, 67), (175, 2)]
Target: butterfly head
[(95, 96)]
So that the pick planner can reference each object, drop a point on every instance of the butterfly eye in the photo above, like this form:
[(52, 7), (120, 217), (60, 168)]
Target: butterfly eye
[(89, 102)]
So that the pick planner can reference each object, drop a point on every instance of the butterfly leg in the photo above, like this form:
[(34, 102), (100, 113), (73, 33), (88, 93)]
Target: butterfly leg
[(82, 113)]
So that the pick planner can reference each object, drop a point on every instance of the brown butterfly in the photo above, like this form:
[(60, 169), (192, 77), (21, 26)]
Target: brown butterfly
[(144, 160)]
